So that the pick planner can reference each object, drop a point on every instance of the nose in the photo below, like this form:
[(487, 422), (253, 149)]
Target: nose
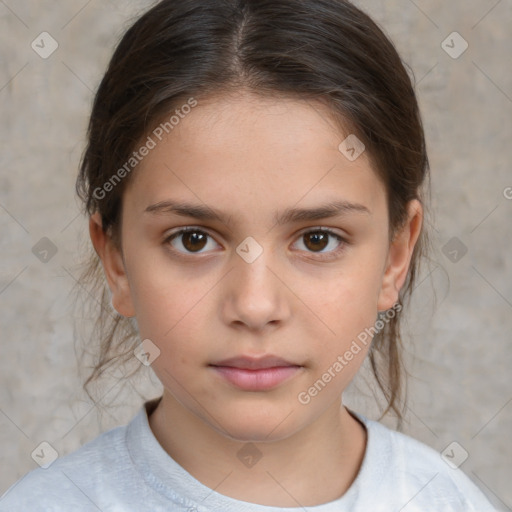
[(255, 295)]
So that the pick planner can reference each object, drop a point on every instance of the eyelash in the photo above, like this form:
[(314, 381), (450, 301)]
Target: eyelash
[(320, 255)]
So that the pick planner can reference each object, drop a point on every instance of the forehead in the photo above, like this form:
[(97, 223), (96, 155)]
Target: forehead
[(256, 154)]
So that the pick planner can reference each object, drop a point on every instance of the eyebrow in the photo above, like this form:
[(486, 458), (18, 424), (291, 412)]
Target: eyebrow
[(202, 212)]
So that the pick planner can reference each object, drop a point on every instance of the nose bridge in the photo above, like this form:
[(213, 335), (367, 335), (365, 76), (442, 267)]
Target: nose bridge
[(252, 264), (256, 294)]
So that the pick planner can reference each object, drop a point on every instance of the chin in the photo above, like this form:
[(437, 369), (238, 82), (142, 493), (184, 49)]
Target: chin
[(257, 424), (253, 434)]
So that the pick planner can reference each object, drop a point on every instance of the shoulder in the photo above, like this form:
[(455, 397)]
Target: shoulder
[(73, 480), (417, 475)]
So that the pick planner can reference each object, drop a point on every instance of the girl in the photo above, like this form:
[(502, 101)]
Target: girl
[(255, 178)]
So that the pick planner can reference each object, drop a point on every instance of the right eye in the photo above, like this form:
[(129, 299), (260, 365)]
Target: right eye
[(188, 240)]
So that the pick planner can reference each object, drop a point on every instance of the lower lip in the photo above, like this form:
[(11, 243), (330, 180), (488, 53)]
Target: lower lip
[(257, 380)]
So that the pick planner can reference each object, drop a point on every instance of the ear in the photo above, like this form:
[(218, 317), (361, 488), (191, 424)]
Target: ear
[(113, 266), (399, 257)]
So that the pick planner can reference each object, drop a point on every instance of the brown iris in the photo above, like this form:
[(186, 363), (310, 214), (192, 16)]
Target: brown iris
[(316, 240), (194, 240)]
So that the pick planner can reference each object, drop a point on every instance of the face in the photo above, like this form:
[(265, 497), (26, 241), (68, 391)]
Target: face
[(260, 278)]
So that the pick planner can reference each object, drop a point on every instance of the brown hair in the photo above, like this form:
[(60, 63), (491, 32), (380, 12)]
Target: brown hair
[(326, 51)]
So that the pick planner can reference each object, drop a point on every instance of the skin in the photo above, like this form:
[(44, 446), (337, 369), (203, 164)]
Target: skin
[(250, 158)]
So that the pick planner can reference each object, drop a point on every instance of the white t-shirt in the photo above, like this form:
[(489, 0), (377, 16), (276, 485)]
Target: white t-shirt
[(126, 469)]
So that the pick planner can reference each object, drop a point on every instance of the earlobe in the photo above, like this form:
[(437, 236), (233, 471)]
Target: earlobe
[(113, 267), (399, 257)]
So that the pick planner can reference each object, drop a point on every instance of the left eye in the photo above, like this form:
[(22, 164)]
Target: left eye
[(319, 239)]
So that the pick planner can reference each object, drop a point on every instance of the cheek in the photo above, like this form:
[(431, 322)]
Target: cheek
[(345, 302), (165, 298), (184, 346), (345, 311)]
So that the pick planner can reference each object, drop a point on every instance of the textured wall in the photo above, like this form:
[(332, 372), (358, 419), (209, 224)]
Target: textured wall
[(460, 353)]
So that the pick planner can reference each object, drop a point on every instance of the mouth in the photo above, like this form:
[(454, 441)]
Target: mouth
[(256, 374)]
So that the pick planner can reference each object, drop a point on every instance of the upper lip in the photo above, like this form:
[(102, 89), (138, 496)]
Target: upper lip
[(254, 363)]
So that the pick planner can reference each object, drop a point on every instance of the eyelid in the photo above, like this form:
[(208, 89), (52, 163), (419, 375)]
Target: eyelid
[(332, 231)]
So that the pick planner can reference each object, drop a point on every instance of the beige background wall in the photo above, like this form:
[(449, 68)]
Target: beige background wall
[(461, 388)]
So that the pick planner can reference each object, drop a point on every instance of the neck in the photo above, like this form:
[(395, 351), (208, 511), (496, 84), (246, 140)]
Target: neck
[(291, 472)]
